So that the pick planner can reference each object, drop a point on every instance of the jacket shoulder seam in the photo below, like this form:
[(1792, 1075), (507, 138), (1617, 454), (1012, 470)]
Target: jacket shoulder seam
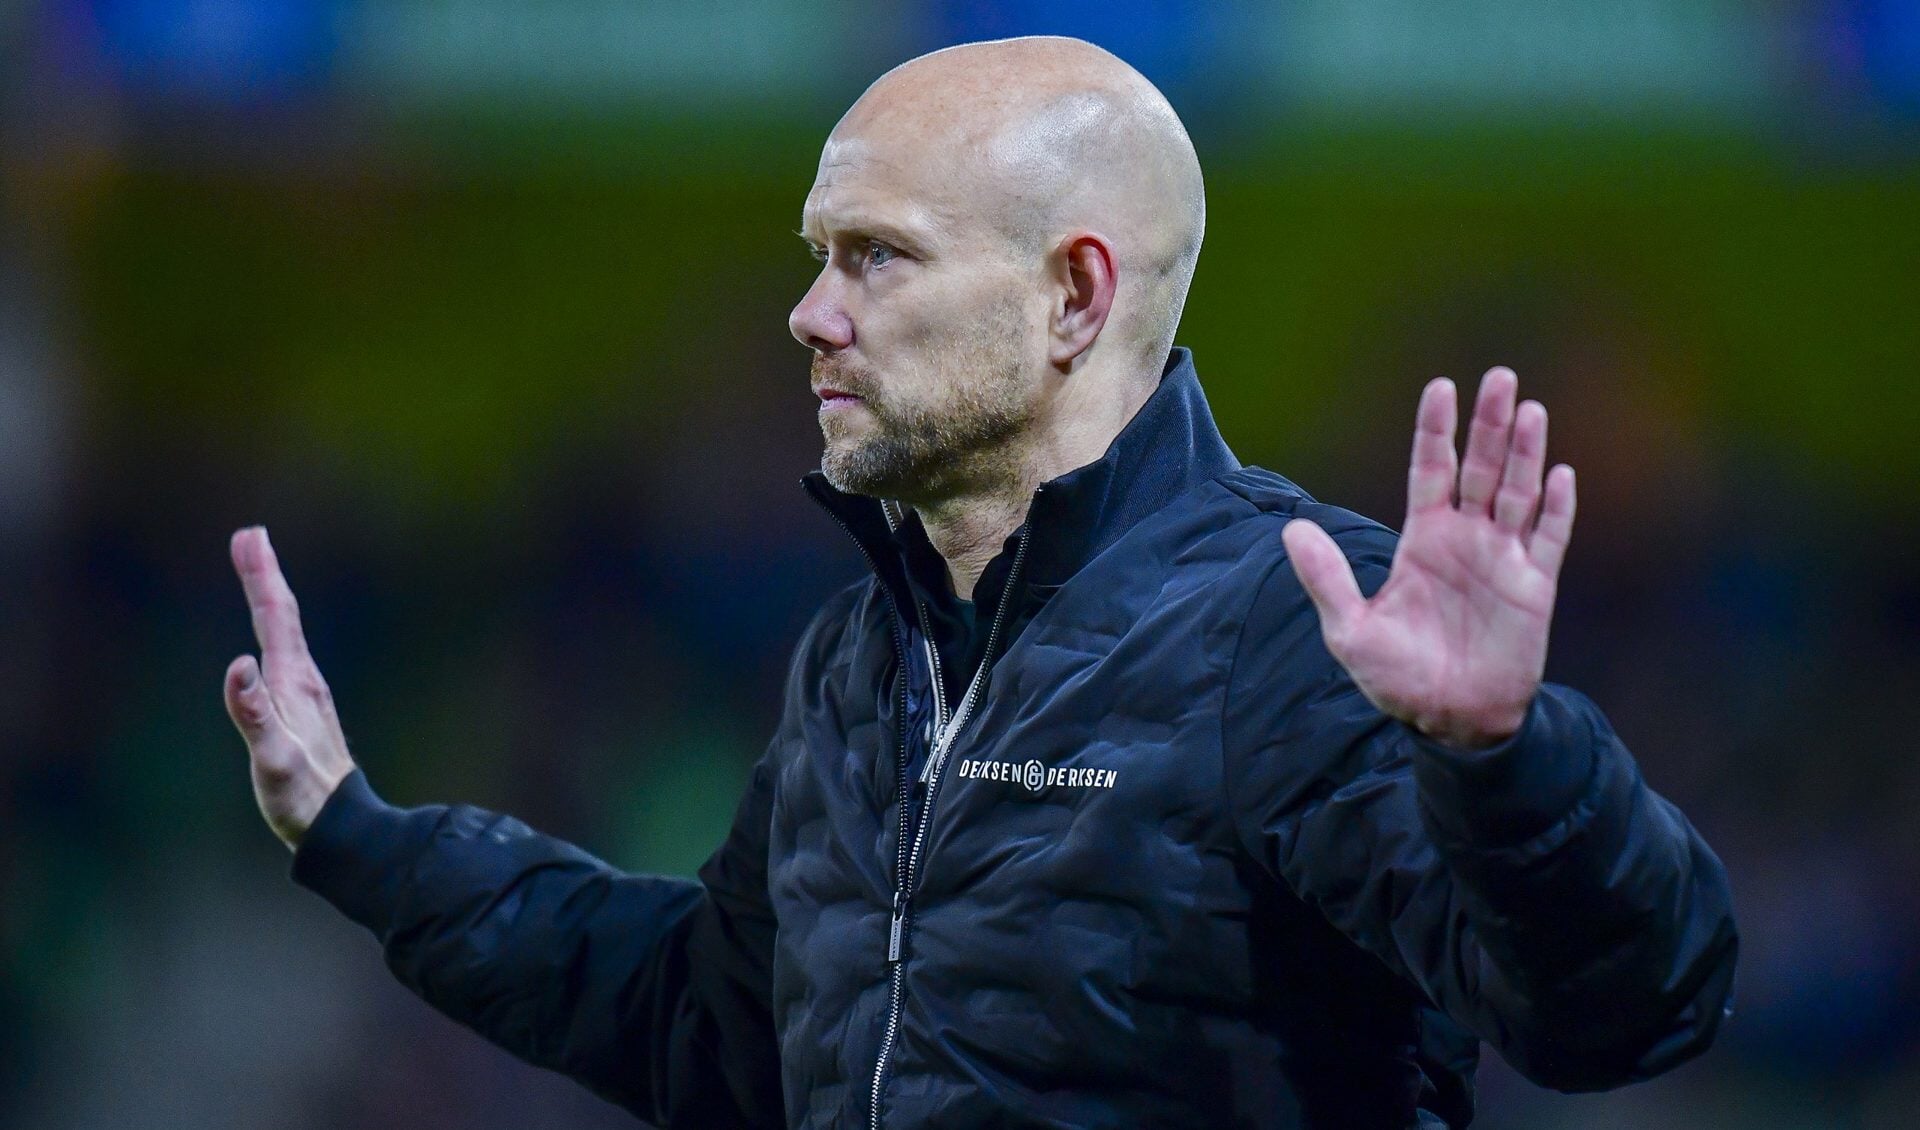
[(1284, 498)]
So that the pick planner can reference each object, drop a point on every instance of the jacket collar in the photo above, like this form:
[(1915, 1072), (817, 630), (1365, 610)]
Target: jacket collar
[(1170, 446)]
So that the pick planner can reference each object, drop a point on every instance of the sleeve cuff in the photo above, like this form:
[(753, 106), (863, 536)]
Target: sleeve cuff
[(1510, 792), (358, 850)]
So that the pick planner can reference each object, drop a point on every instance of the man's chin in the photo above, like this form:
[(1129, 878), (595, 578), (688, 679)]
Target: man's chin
[(847, 481), (855, 471)]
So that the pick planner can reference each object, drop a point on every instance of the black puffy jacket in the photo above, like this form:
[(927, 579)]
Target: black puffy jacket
[(1165, 866)]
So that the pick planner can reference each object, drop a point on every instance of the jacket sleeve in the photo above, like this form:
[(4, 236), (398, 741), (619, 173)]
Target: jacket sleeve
[(1537, 892), (653, 992)]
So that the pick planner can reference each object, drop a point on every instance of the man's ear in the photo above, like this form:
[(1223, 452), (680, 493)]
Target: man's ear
[(1084, 273)]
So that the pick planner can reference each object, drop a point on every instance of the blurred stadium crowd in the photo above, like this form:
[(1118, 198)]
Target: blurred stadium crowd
[(481, 307)]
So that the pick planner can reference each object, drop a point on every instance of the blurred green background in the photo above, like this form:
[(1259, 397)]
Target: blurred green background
[(481, 307)]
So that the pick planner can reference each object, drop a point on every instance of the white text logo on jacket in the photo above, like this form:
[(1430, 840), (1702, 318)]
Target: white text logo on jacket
[(1035, 777)]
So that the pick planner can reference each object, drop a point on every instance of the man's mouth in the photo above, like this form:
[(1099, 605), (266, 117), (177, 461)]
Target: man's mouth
[(831, 397)]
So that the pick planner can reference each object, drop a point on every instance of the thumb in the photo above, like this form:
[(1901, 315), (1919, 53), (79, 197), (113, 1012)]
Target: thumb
[(1326, 575), (248, 703)]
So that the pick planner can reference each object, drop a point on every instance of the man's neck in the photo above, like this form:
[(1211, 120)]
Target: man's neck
[(970, 528)]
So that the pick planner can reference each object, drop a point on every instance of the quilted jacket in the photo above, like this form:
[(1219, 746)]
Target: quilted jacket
[(1161, 865)]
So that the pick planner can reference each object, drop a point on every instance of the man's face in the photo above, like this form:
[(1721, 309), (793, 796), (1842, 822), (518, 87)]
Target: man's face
[(924, 322)]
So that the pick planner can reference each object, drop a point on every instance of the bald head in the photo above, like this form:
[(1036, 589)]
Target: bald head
[(1006, 233), (1038, 138)]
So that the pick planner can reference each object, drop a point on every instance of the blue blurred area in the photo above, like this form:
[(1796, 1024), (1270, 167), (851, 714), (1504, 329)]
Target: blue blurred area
[(481, 306), (1173, 42), (240, 51)]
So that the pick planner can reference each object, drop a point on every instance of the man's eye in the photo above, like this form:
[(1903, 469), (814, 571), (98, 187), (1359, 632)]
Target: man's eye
[(879, 254), (817, 251)]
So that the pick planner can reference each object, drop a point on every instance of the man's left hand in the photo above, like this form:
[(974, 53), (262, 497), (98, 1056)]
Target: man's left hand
[(1455, 641)]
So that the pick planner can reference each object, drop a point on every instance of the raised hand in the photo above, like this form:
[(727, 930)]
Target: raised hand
[(1455, 641), (281, 704)]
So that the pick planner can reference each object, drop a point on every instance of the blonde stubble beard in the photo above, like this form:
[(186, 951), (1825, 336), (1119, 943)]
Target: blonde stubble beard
[(968, 439)]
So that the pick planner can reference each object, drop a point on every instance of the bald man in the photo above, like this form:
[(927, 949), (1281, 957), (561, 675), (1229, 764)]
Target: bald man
[(1133, 787)]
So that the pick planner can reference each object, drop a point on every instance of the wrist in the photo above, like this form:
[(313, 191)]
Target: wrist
[(300, 805), (1475, 733), (1512, 790), (356, 853)]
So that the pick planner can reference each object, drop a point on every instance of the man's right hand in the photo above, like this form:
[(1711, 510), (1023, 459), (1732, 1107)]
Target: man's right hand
[(281, 704)]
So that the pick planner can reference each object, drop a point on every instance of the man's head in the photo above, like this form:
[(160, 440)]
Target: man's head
[(1008, 230)]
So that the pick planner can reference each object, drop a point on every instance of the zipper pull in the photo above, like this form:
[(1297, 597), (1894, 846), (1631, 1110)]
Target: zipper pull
[(895, 929)]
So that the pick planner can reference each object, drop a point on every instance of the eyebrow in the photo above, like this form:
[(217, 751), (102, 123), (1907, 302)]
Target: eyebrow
[(872, 228)]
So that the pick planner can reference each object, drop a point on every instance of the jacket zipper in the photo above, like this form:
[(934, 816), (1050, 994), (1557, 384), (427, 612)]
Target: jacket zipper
[(900, 762), (945, 732)]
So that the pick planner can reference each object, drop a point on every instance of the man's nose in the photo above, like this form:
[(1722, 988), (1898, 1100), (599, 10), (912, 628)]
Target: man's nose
[(820, 322)]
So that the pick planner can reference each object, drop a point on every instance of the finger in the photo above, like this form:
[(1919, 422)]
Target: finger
[(248, 703), (1431, 476), (270, 745), (1548, 548), (276, 615), (1328, 578), (1513, 507), (1487, 440)]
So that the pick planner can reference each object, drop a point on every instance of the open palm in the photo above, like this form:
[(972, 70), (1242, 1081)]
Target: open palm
[(1455, 641)]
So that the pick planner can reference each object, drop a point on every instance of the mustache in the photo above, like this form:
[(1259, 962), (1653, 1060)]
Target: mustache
[(845, 377)]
